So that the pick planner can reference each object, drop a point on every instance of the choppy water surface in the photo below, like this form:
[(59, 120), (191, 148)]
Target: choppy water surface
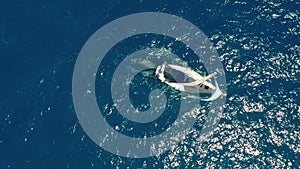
[(260, 124), (258, 44)]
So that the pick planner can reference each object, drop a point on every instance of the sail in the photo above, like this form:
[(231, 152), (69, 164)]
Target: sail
[(216, 94)]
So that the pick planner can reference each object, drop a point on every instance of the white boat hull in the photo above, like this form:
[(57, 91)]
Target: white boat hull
[(187, 80)]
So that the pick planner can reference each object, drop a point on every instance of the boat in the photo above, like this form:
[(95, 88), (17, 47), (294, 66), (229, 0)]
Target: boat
[(187, 80)]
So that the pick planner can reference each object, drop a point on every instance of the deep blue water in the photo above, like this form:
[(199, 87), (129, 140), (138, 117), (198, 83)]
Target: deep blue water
[(258, 42)]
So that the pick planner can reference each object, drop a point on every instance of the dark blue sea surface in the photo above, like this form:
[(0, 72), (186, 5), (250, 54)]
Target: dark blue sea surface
[(258, 43)]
